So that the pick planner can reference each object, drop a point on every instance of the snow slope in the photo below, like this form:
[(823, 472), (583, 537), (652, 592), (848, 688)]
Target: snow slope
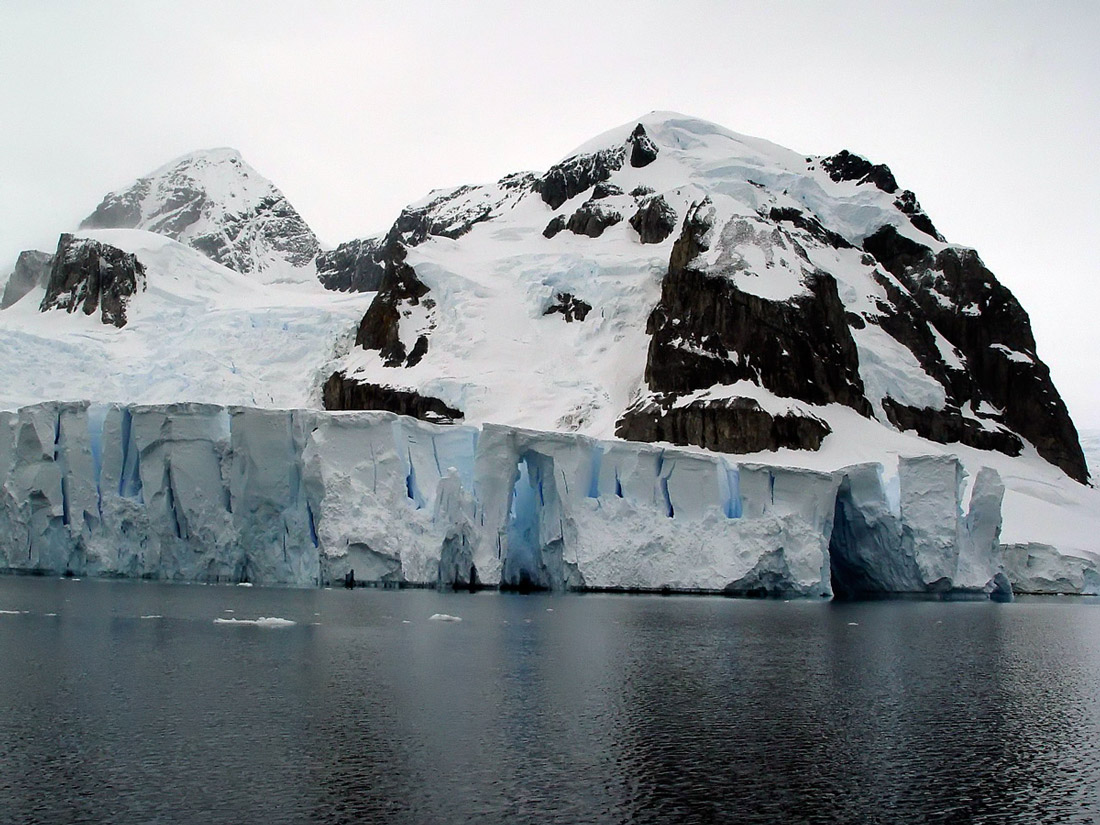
[(199, 332)]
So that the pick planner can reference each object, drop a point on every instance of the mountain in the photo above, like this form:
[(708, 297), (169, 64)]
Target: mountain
[(216, 203), (675, 281), (859, 403)]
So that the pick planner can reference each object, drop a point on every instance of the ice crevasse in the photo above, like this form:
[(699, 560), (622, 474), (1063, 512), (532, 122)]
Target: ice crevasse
[(195, 492)]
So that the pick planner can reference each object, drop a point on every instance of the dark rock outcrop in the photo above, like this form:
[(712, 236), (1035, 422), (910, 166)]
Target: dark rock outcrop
[(907, 203), (948, 426), (89, 276), (355, 266), (984, 321), (707, 331), (655, 220), (730, 425), (846, 166), (605, 190), (808, 223), (578, 174), (380, 328), (592, 218), (342, 393), (570, 306), (643, 151), (32, 269), (556, 225)]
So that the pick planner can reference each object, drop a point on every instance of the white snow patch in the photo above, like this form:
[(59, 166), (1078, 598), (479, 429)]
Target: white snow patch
[(1012, 355)]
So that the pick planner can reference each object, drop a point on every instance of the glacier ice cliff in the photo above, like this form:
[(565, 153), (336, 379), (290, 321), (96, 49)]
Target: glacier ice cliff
[(199, 492)]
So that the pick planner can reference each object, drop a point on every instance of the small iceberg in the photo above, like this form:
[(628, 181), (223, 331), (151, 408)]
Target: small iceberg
[(263, 621), (444, 617)]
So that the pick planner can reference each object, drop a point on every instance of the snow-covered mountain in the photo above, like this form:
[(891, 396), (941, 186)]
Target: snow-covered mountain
[(216, 203), (674, 281), (669, 282)]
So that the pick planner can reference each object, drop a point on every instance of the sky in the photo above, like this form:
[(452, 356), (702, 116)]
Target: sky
[(989, 111)]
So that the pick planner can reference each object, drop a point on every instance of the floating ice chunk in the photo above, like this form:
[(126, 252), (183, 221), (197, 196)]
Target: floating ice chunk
[(444, 617), (263, 621)]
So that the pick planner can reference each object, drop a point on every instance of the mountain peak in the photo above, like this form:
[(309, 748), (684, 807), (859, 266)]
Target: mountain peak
[(212, 200)]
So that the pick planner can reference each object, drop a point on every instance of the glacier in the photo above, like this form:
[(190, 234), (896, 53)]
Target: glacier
[(211, 493)]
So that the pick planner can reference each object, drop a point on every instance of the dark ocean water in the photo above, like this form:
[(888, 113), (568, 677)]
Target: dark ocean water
[(541, 709)]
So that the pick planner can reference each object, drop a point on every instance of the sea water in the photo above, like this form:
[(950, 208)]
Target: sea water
[(146, 702)]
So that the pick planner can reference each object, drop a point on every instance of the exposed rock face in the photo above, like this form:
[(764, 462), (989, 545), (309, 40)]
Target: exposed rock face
[(984, 321), (570, 306), (578, 174), (845, 166), (355, 266), (556, 225), (592, 219), (643, 151), (655, 220), (32, 269), (907, 203), (798, 218), (89, 275), (734, 425), (340, 393), (605, 190), (707, 331), (948, 426), (213, 201), (380, 328)]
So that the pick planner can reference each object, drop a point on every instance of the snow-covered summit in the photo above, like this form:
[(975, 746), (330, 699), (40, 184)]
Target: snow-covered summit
[(215, 202)]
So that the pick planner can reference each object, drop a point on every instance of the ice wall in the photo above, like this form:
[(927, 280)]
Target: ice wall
[(204, 493), (927, 544)]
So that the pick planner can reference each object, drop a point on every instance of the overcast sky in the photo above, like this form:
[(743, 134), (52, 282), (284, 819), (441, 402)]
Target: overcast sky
[(988, 110)]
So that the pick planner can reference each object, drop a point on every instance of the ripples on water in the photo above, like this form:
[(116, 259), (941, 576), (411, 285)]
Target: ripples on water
[(541, 709)]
